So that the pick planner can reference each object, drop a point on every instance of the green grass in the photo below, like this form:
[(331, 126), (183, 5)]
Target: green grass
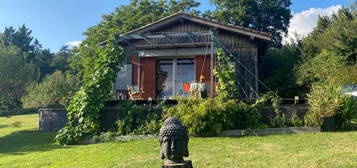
[(25, 147)]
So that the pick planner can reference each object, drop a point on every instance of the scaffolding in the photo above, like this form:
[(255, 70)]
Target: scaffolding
[(247, 80)]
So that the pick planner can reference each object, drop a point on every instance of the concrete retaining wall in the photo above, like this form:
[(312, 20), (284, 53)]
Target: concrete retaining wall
[(288, 109), (270, 131), (52, 119)]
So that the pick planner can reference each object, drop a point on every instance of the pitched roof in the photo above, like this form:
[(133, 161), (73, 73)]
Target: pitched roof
[(204, 21)]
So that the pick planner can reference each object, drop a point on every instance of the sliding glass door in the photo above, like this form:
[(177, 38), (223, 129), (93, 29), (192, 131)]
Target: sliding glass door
[(172, 75)]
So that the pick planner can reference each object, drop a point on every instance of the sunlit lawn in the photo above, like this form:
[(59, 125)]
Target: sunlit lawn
[(25, 147)]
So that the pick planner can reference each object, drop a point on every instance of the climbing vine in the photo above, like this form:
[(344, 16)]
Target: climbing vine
[(225, 73), (83, 110), (272, 97)]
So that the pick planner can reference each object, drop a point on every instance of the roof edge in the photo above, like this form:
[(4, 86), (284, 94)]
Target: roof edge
[(208, 22)]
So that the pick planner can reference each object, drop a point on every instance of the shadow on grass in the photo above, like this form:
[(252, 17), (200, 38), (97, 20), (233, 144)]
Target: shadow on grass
[(27, 141), (3, 126)]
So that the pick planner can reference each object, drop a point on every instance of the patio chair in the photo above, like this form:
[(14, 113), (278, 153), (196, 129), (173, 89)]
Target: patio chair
[(134, 93)]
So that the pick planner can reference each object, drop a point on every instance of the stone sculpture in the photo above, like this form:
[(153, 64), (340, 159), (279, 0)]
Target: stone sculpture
[(173, 140)]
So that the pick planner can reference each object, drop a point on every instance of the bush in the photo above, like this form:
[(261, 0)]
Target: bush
[(279, 121), (208, 117), (296, 121), (346, 113), (139, 120), (55, 91), (324, 101)]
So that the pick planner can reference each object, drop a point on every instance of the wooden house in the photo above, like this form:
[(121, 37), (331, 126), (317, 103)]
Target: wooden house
[(177, 50)]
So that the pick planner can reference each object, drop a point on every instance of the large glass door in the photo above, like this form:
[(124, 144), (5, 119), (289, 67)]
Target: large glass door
[(172, 75), (185, 75), (164, 78)]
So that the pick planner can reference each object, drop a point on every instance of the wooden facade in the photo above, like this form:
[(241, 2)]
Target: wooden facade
[(183, 35)]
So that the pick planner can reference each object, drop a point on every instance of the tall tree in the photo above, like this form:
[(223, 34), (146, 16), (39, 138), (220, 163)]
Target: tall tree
[(271, 16), (20, 38), (330, 50), (60, 59), (15, 75), (122, 20), (33, 52)]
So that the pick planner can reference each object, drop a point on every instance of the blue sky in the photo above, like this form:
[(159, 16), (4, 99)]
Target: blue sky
[(56, 23)]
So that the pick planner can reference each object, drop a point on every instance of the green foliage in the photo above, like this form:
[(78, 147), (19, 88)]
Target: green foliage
[(330, 61), (83, 109), (226, 75), (20, 38), (54, 91), (15, 75), (140, 120), (296, 121), (271, 16), (208, 117), (346, 113), (327, 68), (24, 61), (280, 120), (33, 52), (271, 98), (124, 19), (329, 52), (278, 70), (324, 101)]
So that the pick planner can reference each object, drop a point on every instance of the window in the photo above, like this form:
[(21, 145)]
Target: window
[(171, 74)]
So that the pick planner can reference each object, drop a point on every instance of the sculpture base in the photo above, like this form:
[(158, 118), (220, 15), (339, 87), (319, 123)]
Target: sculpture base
[(186, 164)]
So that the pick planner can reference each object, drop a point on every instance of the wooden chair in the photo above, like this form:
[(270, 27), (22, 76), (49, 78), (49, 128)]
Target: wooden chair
[(134, 93)]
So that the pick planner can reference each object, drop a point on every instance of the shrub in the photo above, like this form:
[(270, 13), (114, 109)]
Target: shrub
[(324, 101), (346, 113), (55, 91), (208, 117), (296, 121), (279, 121), (139, 119)]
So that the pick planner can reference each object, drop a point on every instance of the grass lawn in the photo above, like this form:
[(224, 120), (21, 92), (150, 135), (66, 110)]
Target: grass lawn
[(24, 147)]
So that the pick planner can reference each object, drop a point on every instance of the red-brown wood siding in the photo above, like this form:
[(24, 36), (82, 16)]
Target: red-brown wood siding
[(148, 77), (134, 61)]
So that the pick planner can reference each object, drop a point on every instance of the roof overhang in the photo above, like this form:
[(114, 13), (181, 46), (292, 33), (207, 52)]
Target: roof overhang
[(196, 19)]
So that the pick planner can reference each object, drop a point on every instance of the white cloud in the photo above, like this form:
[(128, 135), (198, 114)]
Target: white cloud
[(303, 23), (73, 43)]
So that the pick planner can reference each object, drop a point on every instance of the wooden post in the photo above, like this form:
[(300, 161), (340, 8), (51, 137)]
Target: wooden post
[(212, 64), (256, 72), (139, 69)]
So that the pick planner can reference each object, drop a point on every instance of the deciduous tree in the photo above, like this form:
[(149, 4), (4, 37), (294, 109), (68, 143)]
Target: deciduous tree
[(271, 16)]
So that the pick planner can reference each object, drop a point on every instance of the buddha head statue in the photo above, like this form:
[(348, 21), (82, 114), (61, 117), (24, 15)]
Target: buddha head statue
[(173, 140)]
